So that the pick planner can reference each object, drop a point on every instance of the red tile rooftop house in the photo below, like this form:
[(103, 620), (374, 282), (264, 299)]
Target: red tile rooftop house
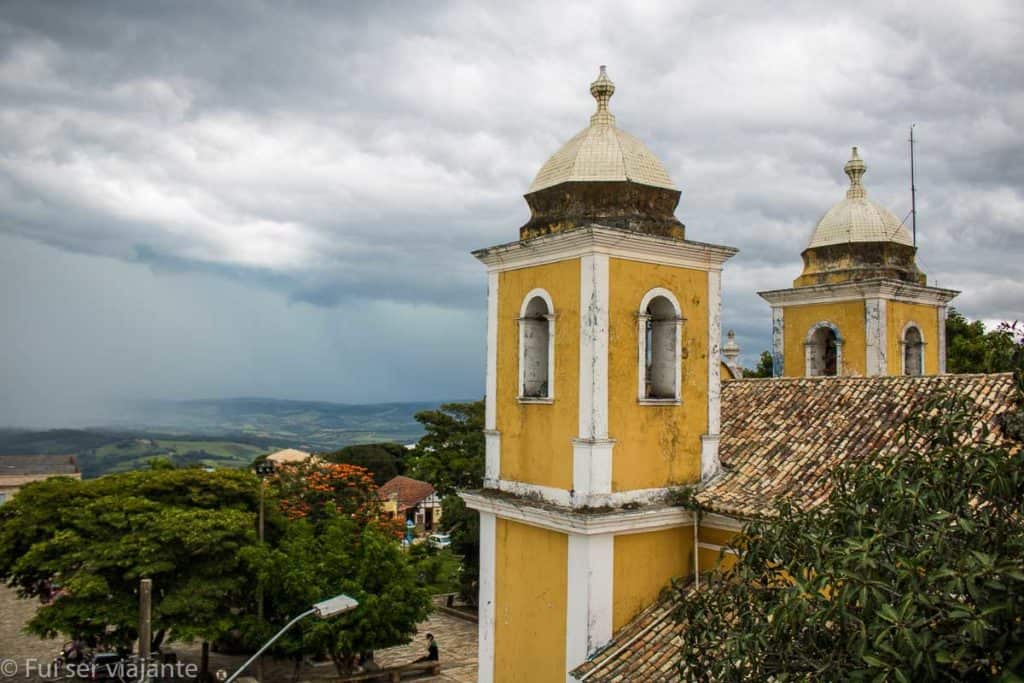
[(412, 500)]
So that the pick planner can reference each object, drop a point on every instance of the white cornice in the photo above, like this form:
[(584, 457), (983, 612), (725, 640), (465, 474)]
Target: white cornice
[(879, 288), (571, 522), (596, 239), (717, 521)]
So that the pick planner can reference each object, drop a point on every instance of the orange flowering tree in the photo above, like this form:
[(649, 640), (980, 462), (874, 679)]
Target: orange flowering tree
[(315, 489)]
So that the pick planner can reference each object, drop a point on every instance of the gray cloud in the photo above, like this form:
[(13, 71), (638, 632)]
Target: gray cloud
[(345, 158)]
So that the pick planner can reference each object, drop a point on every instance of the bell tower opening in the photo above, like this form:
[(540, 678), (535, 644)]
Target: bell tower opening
[(535, 345), (823, 354), (913, 352)]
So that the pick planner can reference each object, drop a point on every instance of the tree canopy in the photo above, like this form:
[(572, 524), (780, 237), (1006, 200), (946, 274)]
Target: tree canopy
[(313, 561), (82, 546), (969, 348), (451, 454), (384, 460), (913, 570), (764, 366)]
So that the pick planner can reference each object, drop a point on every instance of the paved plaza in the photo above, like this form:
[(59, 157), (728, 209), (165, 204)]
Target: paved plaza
[(456, 639)]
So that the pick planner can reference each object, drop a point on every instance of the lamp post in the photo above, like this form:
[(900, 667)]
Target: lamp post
[(325, 609), (263, 470)]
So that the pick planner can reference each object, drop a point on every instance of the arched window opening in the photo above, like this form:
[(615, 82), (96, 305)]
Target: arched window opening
[(536, 346), (660, 325), (824, 353), (913, 352)]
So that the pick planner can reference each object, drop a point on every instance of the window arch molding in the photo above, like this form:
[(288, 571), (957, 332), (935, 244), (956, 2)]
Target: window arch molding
[(816, 352), (652, 342), (912, 354), (536, 348)]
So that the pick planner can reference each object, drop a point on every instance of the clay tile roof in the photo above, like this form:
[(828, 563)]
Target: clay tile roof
[(783, 437), (23, 465), (410, 491), (645, 649)]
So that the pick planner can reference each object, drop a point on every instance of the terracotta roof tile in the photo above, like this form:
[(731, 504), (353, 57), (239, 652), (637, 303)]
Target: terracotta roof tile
[(783, 437), (645, 649), (410, 491)]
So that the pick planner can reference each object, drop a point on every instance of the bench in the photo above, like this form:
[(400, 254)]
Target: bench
[(394, 674)]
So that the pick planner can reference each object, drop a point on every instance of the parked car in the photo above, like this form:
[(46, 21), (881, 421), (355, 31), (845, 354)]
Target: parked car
[(439, 541)]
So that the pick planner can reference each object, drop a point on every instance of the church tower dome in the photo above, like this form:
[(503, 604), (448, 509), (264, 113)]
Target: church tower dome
[(604, 176), (858, 239)]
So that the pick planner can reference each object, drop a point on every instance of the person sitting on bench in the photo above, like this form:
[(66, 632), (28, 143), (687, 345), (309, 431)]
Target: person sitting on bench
[(432, 652)]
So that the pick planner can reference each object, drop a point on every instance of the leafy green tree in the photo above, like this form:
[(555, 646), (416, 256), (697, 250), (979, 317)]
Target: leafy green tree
[(384, 460), (463, 525), (315, 561), (969, 348), (451, 454), (451, 457), (437, 569), (913, 570), (764, 366), (81, 547)]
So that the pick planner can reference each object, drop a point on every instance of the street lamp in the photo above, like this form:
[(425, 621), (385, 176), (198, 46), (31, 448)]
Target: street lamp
[(263, 470), (325, 609)]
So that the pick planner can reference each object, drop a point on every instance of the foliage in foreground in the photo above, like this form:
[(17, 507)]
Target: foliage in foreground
[(913, 570)]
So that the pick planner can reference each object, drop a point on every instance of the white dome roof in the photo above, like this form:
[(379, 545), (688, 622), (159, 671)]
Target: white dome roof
[(856, 218), (602, 152)]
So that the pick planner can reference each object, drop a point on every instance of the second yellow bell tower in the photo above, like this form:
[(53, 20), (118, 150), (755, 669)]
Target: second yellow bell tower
[(602, 395)]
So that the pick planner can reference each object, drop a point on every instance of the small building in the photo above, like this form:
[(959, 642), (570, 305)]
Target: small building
[(412, 500), (288, 456), (18, 470)]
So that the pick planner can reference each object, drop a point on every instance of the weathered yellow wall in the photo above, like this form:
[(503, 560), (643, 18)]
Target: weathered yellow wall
[(655, 445), (709, 557), (531, 566), (848, 316), (644, 565), (898, 314), (536, 440)]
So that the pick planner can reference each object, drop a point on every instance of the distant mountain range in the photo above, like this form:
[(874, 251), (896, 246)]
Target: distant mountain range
[(220, 432), (314, 425)]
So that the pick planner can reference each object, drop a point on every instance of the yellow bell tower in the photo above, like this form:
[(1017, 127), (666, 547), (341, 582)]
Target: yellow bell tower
[(861, 305), (602, 394)]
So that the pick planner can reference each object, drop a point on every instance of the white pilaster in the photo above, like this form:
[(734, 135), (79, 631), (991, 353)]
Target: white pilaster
[(709, 463), (492, 458), (591, 565), (592, 450), (485, 630), (940, 339), (593, 417), (491, 403), (591, 469), (778, 335), (875, 326)]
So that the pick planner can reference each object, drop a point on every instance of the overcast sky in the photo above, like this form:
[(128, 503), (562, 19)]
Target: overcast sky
[(279, 199)]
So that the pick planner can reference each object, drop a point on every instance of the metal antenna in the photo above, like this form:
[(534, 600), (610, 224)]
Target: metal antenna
[(913, 190)]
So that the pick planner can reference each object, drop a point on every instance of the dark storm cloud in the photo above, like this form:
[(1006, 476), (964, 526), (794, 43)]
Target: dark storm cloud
[(343, 153)]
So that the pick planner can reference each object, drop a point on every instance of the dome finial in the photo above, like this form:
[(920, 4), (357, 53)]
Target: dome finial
[(731, 350), (602, 89), (855, 169)]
